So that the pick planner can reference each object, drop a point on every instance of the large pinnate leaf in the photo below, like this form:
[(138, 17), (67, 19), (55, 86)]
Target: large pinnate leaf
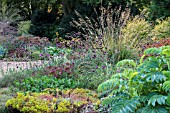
[(151, 109), (125, 106), (149, 65), (159, 99), (155, 77), (168, 63), (111, 100), (167, 74), (152, 51), (126, 62), (168, 100), (107, 85), (116, 82), (166, 52), (165, 47), (166, 86)]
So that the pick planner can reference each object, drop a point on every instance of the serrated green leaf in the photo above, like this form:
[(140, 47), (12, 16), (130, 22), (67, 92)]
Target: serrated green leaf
[(155, 77), (126, 62), (160, 99), (166, 86), (166, 52), (150, 109), (168, 63), (107, 85), (168, 100), (152, 51), (125, 106), (164, 47), (167, 74), (141, 59), (149, 65)]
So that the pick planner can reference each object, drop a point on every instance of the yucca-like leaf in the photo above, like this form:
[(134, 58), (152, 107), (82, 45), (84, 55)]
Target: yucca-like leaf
[(160, 99), (150, 109), (125, 106), (126, 62), (153, 51), (166, 86)]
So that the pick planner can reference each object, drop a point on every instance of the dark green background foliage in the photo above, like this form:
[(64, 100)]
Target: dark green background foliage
[(158, 9), (28, 7), (81, 8), (43, 23), (47, 24)]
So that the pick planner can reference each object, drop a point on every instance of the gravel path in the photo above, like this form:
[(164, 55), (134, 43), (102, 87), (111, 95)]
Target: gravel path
[(6, 66)]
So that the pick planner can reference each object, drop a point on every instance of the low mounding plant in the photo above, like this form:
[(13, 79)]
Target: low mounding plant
[(38, 84), (27, 47), (60, 71), (157, 43), (136, 31), (23, 27), (55, 51), (161, 30), (66, 101), (142, 88)]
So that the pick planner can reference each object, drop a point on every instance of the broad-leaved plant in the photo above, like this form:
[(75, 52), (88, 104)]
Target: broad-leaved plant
[(139, 88)]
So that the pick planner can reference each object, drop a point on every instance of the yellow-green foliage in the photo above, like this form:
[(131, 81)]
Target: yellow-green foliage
[(35, 55), (162, 30), (69, 101), (84, 95), (136, 30), (23, 27), (31, 103)]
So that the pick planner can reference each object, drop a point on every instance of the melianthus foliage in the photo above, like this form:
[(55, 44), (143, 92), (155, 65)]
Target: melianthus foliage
[(140, 88)]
